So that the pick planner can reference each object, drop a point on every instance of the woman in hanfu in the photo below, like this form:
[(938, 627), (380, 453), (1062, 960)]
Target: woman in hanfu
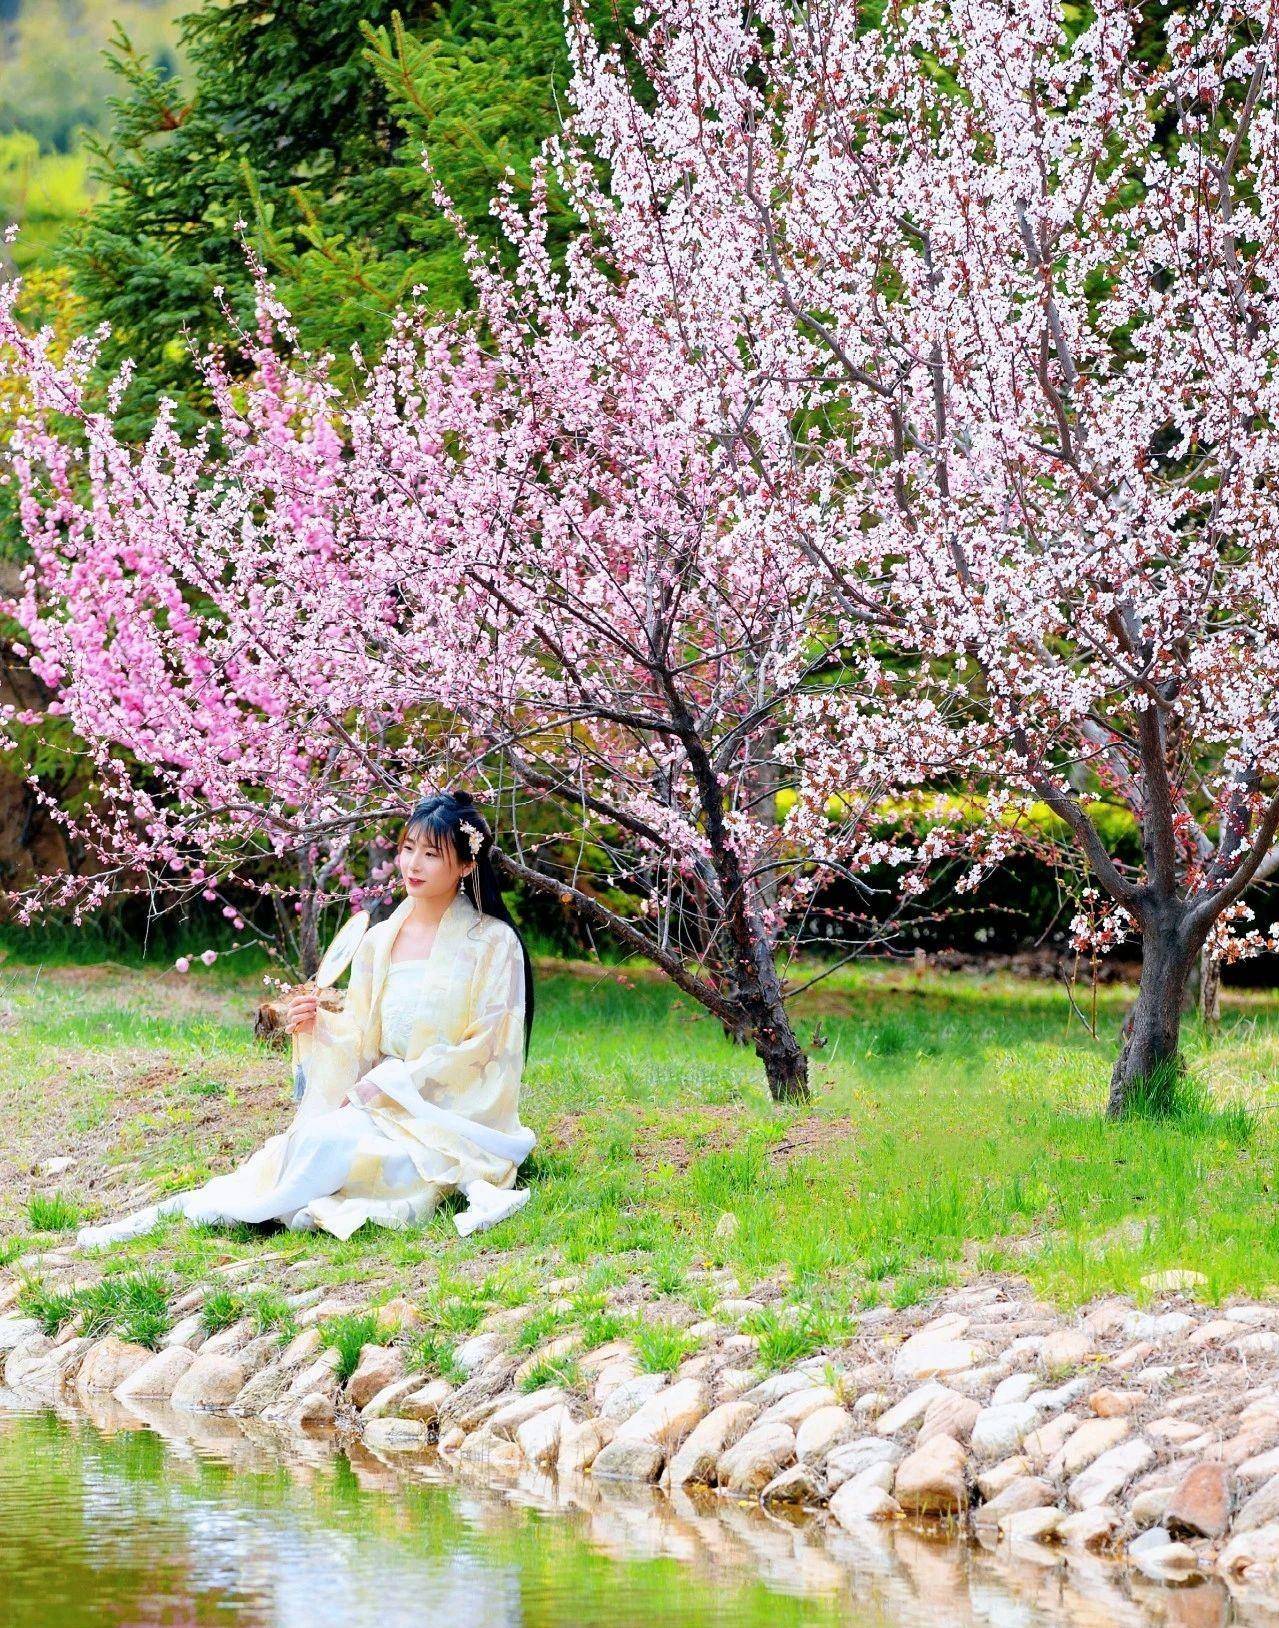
[(411, 1089)]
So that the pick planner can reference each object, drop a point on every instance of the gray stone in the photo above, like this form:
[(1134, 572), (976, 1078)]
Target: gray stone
[(1262, 1509), (855, 1503), (700, 1452), (1141, 1325), (1014, 1388), (1252, 1556), (1106, 1475), (188, 1331), (378, 1367), (1000, 1430), (631, 1396), (909, 1410), (538, 1438), (823, 1430), (634, 1460), (154, 1381), (13, 1330), (212, 1382), (799, 1485), (1200, 1507), (396, 1435), (850, 1459), (108, 1364), (1026, 1492), (1030, 1525), (1088, 1528), (751, 1463), (932, 1480)]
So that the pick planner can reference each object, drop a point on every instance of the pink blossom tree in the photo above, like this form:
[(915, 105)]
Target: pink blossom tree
[(1028, 276), (563, 562)]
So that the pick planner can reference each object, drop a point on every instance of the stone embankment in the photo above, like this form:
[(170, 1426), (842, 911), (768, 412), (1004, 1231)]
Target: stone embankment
[(1152, 1435)]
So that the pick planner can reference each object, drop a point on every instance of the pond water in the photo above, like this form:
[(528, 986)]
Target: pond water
[(111, 1517)]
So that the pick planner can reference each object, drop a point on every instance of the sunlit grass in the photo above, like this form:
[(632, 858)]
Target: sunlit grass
[(266, 1310), (51, 1212), (956, 1127), (133, 1305), (349, 1334), (661, 1347), (791, 1333), (562, 1371)]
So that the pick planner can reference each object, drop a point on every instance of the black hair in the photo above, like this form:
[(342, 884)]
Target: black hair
[(451, 817)]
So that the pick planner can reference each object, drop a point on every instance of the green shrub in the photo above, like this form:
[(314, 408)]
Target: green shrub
[(221, 1308), (668, 1271), (457, 1312), (267, 1310), (530, 1334), (912, 1288), (12, 1248), (601, 1327), (271, 1313), (788, 1334), (432, 1353)]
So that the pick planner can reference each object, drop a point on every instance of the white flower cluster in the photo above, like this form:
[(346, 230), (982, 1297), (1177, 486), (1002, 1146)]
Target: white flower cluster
[(474, 836)]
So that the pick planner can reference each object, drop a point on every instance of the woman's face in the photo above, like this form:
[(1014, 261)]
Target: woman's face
[(430, 872)]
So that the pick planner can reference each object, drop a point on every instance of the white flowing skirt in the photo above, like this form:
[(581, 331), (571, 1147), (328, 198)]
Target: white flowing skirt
[(343, 1167)]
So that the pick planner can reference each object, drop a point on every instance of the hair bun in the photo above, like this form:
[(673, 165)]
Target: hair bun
[(463, 799)]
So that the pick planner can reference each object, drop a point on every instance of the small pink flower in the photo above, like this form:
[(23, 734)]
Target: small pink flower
[(182, 964), (208, 957)]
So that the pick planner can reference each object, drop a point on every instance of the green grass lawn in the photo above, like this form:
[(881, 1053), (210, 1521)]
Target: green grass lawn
[(956, 1128)]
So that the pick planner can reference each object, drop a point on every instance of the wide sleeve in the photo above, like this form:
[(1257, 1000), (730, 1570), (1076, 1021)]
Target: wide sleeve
[(338, 1050), (478, 1076)]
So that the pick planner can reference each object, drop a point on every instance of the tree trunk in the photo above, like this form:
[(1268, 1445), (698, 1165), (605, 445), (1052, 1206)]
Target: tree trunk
[(1209, 988), (767, 1022), (761, 1020), (1152, 1032), (785, 1066)]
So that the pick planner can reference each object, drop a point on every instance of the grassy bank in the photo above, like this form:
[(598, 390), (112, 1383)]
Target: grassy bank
[(955, 1130)]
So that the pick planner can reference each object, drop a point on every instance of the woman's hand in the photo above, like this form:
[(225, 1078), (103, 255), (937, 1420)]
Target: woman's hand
[(362, 1091), (302, 1010)]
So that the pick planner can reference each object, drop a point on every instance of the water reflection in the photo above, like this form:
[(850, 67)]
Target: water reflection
[(144, 1516)]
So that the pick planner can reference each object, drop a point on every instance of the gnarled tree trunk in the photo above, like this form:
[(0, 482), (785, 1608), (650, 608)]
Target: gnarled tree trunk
[(1150, 1054), (768, 1026)]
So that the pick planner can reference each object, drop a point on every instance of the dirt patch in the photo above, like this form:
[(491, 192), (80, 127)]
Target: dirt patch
[(816, 1134), (718, 1130), (110, 1117)]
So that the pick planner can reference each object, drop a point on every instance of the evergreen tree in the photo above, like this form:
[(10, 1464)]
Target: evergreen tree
[(305, 119)]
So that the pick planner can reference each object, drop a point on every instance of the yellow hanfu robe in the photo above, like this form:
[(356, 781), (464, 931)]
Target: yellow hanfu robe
[(446, 1114)]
